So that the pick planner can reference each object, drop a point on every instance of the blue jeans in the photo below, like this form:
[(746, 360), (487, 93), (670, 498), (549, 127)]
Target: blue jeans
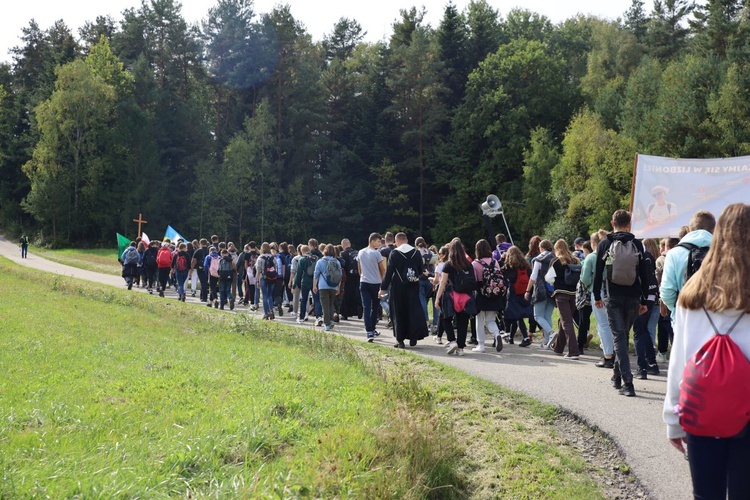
[(318, 305), (424, 289), (602, 327), (181, 278), (267, 287), (370, 304), (622, 313), (644, 345), (225, 292), (240, 281), (304, 297), (543, 316)]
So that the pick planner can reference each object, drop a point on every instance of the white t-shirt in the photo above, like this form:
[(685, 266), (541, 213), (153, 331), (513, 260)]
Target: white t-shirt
[(369, 260)]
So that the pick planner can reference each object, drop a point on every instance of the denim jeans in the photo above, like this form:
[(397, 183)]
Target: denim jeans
[(225, 292), (370, 304), (602, 327), (304, 301), (240, 281), (181, 278), (653, 320), (644, 345), (318, 306), (719, 465), (622, 313), (543, 316), (267, 287), (424, 289)]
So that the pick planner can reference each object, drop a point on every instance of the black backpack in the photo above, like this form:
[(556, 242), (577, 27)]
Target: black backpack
[(696, 255), (572, 274), (225, 269), (464, 281), (312, 260), (270, 273)]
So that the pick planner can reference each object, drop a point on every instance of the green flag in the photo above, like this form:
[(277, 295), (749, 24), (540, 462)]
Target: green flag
[(122, 244)]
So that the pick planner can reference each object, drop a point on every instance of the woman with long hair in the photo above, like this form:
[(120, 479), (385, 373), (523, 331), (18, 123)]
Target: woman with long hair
[(457, 263), (533, 251), (490, 297), (517, 271), (537, 293), (442, 259), (712, 301), (565, 298)]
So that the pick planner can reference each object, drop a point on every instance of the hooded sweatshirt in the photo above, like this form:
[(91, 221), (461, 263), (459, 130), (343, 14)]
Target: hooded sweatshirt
[(675, 265), (644, 287), (500, 250)]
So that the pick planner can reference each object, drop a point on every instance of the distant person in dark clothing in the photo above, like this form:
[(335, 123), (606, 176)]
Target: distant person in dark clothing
[(24, 242)]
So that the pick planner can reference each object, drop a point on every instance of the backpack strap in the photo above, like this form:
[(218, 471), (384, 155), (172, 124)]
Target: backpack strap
[(716, 330)]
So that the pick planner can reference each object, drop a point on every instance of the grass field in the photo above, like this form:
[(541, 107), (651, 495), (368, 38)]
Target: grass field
[(100, 260), (105, 393)]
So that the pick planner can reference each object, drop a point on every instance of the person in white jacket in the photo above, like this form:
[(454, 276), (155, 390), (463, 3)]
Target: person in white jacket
[(718, 465)]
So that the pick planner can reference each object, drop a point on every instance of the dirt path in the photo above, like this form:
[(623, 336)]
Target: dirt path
[(577, 386)]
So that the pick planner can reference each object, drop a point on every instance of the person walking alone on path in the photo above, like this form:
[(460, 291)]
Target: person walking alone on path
[(716, 295), (24, 242)]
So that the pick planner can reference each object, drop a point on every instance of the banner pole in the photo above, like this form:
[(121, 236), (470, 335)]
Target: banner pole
[(632, 186)]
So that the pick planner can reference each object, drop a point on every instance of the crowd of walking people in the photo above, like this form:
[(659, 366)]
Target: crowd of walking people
[(677, 291)]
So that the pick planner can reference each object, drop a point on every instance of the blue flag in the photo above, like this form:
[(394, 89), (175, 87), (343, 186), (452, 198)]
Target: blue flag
[(173, 235)]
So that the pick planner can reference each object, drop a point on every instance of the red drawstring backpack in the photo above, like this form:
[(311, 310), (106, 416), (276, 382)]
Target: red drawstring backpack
[(715, 388)]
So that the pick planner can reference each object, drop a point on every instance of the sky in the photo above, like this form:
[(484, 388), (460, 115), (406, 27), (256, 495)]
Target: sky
[(318, 16)]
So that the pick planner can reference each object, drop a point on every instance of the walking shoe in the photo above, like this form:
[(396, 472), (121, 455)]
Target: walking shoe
[(627, 390), (642, 375), (289, 308), (216, 304), (473, 341), (281, 311), (377, 333), (435, 338), (370, 336), (209, 304), (161, 293), (253, 307), (221, 307), (231, 304), (193, 294), (440, 340), (605, 363), (412, 342), (336, 318), (451, 347), (498, 343), (505, 336), (331, 325), (390, 324), (479, 348), (660, 357), (653, 369), (616, 382), (300, 320), (552, 339), (271, 316), (318, 321), (570, 358), (130, 286), (459, 352), (327, 328), (400, 345), (525, 342)]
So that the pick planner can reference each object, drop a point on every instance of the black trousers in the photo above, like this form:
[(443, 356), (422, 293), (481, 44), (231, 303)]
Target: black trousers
[(720, 466), (204, 283)]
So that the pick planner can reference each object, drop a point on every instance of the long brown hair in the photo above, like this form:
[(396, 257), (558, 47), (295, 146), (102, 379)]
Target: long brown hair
[(651, 247), (721, 282), (562, 252), (534, 246), (457, 255), (514, 259)]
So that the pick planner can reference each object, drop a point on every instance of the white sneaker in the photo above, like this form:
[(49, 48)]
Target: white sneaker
[(552, 338), (661, 358), (319, 322), (451, 347), (300, 320), (543, 346), (459, 352), (478, 348)]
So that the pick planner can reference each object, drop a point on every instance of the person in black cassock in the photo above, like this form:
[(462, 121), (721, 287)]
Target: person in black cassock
[(352, 303), (405, 265)]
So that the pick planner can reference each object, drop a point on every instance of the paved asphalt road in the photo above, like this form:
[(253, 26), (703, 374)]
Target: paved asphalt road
[(577, 386)]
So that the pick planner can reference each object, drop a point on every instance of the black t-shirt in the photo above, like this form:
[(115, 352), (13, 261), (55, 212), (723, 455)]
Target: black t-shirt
[(200, 257)]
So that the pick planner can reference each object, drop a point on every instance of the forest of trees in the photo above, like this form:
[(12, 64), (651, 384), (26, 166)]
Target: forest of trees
[(245, 127)]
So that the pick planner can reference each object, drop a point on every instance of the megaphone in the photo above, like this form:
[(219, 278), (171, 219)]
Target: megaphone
[(492, 206)]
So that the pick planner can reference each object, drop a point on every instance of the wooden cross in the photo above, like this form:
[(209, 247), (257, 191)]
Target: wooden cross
[(140, 221)]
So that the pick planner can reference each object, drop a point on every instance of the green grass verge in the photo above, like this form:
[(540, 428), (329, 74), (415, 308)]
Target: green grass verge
[(107, 393), (100, 260)]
